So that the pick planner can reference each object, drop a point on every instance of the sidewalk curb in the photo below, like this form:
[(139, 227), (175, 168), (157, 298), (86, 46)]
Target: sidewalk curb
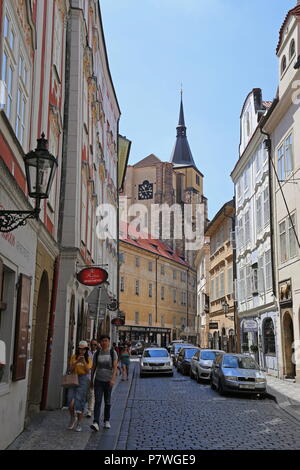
[(284, 402)]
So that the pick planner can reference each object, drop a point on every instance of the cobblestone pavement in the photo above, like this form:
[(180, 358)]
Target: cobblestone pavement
[(177, 413)]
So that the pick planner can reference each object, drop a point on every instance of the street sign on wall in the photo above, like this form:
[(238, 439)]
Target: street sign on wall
[(249, 325)]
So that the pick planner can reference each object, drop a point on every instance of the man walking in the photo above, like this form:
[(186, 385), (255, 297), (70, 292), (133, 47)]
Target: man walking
[(104, 373)]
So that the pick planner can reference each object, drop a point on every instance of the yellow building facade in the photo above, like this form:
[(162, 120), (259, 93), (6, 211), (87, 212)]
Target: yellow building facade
[(221, 318), (157, 293)]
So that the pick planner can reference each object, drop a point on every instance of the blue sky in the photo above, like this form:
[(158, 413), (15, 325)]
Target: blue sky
[(219, 49)]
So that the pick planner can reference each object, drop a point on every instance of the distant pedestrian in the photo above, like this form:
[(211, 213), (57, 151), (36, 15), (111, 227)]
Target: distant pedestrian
[(125, 362), (2, 358), (91, 392), (80, 364), (104, 373)]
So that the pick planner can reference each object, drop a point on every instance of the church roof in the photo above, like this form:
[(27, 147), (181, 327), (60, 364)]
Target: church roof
[(182, 154), (148, 161)]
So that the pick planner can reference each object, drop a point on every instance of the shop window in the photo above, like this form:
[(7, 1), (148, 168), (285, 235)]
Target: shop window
[(269, 337), (7, 318)]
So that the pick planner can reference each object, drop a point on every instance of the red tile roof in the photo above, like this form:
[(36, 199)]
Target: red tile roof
[(296, 12), (145, 242)]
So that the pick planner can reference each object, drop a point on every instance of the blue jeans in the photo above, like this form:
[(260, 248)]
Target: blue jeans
[(102, 388)]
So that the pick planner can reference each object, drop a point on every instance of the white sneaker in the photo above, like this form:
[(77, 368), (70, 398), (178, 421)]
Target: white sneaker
[(72, 423), (106, 424), (94, 426), (78, 428), (88, 415)]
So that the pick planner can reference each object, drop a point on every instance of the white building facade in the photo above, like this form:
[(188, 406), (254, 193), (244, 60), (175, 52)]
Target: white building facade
[(283, 126), (257, 311)]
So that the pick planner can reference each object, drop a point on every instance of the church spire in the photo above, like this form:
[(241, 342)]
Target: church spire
[(182, 154)]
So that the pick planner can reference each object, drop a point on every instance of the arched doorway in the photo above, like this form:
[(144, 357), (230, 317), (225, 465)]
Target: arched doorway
[(288, 336), (39, 341)]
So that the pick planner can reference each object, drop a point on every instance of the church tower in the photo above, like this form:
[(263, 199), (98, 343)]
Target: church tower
[(188, 180)]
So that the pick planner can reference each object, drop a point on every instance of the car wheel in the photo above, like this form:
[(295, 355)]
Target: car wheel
[(198, 378), (220, 388)]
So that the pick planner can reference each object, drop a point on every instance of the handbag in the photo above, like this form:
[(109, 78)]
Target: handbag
[(70, 380)]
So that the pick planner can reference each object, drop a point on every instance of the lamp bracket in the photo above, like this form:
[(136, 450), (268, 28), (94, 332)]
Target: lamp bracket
[(10, 220)]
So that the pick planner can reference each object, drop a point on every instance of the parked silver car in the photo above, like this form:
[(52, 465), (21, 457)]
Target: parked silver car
[(156, 361), (237, 373), (202, 362)]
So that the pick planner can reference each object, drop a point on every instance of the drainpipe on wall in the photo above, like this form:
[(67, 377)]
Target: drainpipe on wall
[(50, 333)]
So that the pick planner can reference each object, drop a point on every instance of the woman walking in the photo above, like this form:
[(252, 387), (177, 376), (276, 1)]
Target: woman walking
[(125, 362), (80, 364)]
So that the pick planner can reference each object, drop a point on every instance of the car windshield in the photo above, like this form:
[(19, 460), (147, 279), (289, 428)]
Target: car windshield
[(179, 346), (190, 353), (155, 353), (234, 362), (208, 355)]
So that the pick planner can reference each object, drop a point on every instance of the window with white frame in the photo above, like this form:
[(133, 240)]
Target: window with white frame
[(285, 163), (174, 296), (287, 239), (150, 290), (137, 287), (212, 290), (241, 294), (248, 282), (162, 293), (57, 41), (268, 269), (247, 226), (229, 280), (222, 284), (261, 274), (240, 233), (258, 215), (266, 206), (217, 287), (15, 76)]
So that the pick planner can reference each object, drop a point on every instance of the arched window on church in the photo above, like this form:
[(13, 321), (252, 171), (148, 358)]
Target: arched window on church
[(292, 48)]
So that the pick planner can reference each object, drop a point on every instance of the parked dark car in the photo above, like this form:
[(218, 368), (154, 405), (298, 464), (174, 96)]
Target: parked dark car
[(184, 359), (237, 373), (176, 348)]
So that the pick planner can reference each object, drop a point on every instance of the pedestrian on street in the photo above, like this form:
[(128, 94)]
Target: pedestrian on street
[(125, 362), (91, 392), (105, 366), (80, 364)]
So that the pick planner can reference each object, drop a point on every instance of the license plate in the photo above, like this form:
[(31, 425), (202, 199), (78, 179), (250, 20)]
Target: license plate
[(248, 386)]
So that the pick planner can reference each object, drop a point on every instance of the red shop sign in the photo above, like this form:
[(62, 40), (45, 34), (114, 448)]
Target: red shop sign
[(92, 276), (118, 321)]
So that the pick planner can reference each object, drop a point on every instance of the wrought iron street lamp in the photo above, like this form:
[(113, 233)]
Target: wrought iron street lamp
[(40, 167)]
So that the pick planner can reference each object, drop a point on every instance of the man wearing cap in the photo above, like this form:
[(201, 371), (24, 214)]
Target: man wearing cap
[(104, 373)]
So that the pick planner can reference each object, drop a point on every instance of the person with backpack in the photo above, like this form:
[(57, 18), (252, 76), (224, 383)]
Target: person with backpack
[(104, 371)]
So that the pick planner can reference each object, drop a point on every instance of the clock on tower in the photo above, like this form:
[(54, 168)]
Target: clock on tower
[(145, 190)]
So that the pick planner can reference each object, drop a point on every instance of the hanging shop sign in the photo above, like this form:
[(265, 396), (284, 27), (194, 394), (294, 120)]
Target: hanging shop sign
[(250, 325), (118, 321), (92, 276)]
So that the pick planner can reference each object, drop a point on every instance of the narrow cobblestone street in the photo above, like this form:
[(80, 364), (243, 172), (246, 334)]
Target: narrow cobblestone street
[(178, 413)]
